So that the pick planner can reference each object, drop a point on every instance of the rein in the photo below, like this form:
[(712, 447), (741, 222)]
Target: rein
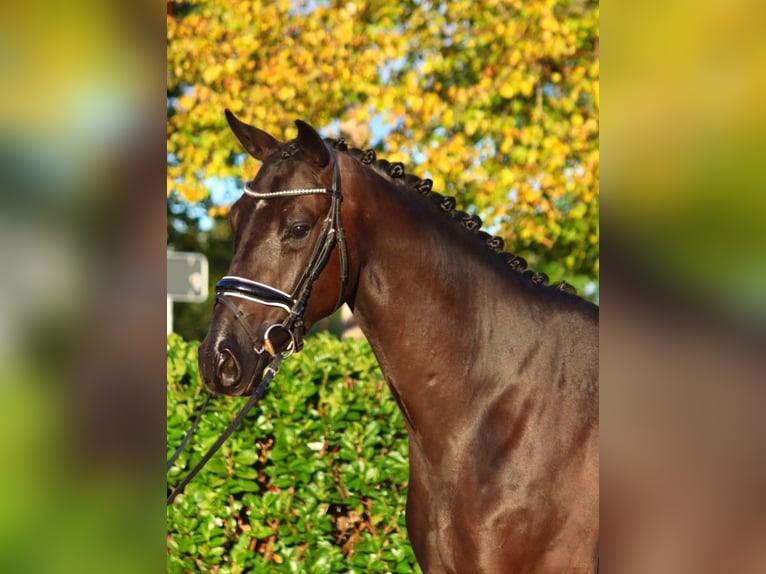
[(271, 370), (294, 304)]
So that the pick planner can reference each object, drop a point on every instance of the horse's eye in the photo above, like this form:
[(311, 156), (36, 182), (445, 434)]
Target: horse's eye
[(300, 230)]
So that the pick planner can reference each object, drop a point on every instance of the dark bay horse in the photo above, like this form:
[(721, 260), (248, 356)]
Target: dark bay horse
[(495, 372)]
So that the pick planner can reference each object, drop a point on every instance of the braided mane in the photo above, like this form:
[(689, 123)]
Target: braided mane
[(395, 171)]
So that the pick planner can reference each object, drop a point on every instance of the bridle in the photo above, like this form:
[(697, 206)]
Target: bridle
[(234, 287), (294, 303)]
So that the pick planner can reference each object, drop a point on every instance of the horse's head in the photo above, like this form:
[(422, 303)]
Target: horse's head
[(289, 267)]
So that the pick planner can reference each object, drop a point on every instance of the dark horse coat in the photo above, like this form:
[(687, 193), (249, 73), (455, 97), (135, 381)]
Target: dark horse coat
[(496, 374)]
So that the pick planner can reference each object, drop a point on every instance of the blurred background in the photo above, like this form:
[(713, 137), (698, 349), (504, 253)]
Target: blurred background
[(82, 234), (683, 294), (86, 218)]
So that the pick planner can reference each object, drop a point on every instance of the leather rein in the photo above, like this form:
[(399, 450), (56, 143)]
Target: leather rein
[(292, 329)]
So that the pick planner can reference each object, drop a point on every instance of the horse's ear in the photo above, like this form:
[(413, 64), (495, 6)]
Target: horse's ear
[(257, 142), (311, 144)]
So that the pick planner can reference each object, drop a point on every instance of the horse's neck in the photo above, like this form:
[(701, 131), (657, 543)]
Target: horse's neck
[(424, 299)]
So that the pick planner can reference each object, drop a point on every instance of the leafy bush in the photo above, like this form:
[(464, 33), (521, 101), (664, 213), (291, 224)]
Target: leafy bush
[(314, 480)]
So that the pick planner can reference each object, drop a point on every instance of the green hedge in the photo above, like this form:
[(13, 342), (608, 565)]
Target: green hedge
[(314, 480)]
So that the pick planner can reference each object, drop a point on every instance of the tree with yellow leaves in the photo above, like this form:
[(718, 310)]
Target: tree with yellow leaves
[(496, 101)]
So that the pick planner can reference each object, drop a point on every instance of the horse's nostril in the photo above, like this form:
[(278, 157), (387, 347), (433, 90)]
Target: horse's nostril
[(227, 368)]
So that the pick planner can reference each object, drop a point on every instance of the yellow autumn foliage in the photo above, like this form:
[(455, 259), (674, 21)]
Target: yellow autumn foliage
[(496, 101)]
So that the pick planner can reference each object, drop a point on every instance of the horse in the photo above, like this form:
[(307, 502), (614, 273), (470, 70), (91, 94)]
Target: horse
[(494, 370)]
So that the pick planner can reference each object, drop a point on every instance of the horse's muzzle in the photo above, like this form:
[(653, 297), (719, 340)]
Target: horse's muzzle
[(227, 368)]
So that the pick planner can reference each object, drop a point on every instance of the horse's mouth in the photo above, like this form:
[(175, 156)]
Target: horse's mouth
[(224, 374)]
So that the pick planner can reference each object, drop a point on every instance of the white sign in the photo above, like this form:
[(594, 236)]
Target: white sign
[(187, 277)]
